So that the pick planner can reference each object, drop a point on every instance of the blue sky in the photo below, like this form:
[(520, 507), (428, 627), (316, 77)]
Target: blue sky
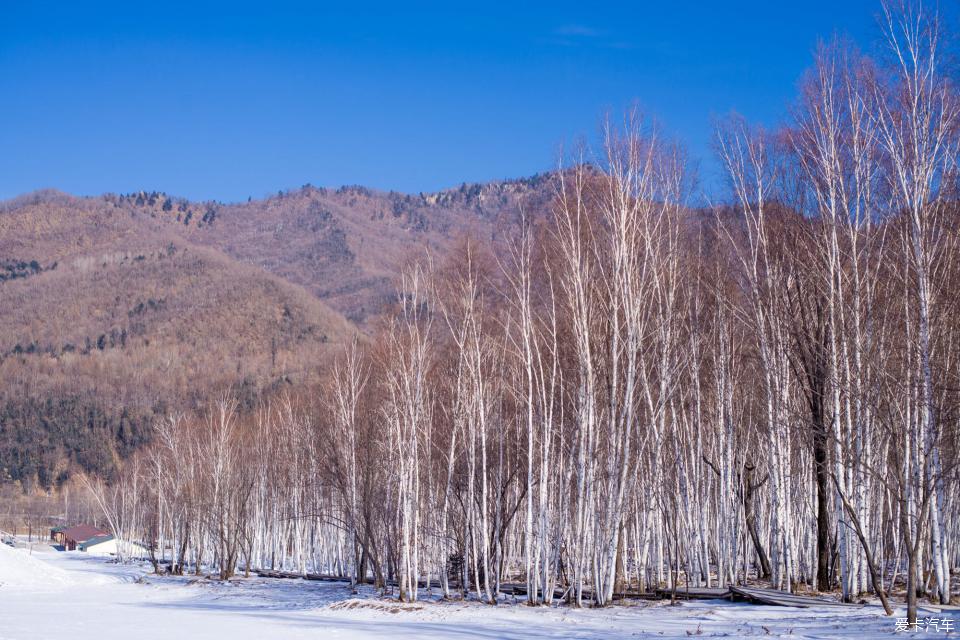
[(229, 100)]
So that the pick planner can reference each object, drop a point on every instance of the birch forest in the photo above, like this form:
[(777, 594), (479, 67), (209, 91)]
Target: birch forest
[(633, 392)]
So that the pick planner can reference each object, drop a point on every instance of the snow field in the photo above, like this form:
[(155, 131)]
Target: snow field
[(46, 595)]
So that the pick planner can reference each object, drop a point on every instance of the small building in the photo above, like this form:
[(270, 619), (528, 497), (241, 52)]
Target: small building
[(99, 544), (108, 545), (70, 538)]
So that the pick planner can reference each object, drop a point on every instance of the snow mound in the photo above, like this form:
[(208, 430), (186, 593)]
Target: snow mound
[(20, 570)]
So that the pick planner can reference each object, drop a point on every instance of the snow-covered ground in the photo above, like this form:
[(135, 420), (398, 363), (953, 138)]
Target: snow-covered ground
[(48, 594)]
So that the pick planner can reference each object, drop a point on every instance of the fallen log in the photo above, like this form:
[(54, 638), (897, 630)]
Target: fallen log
[(695, 593), (782, 598)]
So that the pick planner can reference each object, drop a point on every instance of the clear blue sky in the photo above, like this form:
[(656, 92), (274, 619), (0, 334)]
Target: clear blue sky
[(229, 100)]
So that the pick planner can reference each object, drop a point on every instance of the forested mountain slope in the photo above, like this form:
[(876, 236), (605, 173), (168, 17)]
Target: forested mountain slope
[(344, 244), (118, 308)]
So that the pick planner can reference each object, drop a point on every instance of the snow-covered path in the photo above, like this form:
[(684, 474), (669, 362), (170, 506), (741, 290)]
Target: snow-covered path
[(51, 594)]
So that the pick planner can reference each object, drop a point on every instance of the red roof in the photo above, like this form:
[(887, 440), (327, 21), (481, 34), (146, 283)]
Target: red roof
[(81, 533)]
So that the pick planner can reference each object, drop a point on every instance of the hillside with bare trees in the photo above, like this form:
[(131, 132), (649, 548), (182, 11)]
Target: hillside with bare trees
[(118, 308), (120, 320), (344, 245)]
